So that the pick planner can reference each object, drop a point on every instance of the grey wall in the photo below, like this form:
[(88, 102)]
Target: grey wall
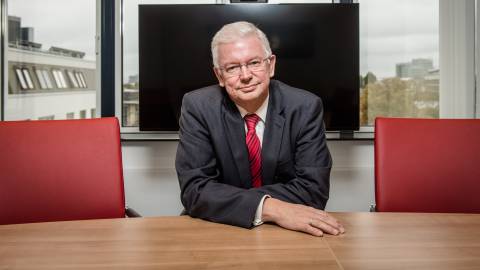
[(152, 189)]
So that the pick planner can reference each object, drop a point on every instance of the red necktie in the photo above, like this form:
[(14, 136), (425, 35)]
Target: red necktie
[(254, 150)]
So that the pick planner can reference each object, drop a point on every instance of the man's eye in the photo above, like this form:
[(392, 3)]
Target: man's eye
[(255, 63), (231, 68)]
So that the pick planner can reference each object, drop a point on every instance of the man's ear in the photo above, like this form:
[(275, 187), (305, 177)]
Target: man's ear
[(273, 59), (218, 73)]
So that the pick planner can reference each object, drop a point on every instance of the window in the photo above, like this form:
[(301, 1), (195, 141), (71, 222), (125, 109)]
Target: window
[(81, 79), (63, 82), (72, 79), (28, 79), (57, 79), (41, 79), (20, 78), (71, 115), (44, 53), (83, 114), (399, 59), (93, 113), (48, 117), (46, 77)]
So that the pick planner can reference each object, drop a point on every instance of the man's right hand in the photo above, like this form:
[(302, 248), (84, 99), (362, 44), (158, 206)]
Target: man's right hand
[(299, 217)]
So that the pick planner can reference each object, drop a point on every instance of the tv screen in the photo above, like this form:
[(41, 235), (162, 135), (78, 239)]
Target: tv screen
[(317, 49)]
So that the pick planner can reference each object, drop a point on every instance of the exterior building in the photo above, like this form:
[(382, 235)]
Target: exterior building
[(417, 68), (131, 108), (47, 84)]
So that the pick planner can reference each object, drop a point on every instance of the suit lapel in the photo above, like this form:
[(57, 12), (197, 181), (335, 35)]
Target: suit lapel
[(235, 135), (272, 137)]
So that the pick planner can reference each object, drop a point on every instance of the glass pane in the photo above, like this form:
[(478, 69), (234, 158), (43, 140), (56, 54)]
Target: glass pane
[(20, 78), (26, 74), (79, 79), (48, 81), (62, 79), (72, 79), (44, 39), (399, 54), (57, 79), (40, 78), (82, 78)]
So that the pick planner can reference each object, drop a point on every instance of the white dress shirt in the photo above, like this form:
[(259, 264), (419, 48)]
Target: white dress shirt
[(259, 129)]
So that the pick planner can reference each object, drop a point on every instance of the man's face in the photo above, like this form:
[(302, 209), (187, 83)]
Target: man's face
[(249, 85)]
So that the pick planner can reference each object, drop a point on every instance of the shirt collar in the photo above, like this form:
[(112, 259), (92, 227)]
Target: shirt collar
[(261, 112)]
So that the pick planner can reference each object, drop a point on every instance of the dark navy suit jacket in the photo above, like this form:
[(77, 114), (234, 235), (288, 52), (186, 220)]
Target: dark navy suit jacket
[(212, 160)]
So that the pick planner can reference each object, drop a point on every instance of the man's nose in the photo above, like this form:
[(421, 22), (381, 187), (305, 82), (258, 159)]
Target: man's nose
[(245, 74)]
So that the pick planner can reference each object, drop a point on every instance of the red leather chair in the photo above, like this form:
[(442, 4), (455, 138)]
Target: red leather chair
[(427, 165), (60, 170)]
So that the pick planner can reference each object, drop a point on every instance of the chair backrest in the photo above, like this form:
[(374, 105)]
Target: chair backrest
[(60, 170), (427, 165)]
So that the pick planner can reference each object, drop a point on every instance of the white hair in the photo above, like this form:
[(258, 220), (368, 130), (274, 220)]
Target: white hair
[(234, 31)]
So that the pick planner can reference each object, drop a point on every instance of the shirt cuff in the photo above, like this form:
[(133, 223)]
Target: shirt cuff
[(258, 215)]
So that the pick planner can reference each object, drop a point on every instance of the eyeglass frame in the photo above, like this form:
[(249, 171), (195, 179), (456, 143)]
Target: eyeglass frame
[(230, 75)]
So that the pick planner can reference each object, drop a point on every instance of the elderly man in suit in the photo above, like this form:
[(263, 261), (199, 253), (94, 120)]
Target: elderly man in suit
[(251, 149)]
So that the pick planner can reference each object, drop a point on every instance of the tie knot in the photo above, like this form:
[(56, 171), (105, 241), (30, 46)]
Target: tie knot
[(251, 120)]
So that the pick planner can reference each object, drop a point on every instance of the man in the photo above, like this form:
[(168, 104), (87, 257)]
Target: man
[(253, 150)]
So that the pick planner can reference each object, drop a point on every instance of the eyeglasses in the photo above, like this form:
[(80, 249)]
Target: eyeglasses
[(254, 65)]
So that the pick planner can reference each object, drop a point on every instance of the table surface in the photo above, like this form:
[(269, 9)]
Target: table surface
[(373, 241)]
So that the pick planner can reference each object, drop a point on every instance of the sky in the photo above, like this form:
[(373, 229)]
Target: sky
[(68, 24), (391, 31)]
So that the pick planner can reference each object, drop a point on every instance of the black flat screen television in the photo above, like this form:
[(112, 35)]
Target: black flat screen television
[(317, 49)]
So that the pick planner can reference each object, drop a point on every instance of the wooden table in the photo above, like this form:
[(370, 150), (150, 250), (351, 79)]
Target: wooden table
[(373, 241)]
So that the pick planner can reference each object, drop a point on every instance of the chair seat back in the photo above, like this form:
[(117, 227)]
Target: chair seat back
[(427, 165), (60, 170)]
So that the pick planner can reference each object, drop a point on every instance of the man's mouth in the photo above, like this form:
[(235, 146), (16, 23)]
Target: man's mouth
[(248, 87)]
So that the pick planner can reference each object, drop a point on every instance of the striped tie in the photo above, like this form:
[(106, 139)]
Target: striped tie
[(254, 150)]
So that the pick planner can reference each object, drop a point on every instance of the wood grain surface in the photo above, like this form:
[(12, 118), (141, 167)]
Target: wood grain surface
[(372, 241)]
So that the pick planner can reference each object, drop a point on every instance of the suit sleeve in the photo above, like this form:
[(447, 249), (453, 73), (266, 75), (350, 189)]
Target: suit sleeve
[(202, 193), (312, 164)]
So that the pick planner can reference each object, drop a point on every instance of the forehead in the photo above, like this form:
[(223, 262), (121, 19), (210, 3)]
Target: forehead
[(241, 50)]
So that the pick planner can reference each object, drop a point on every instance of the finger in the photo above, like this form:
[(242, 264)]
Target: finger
[(312, 230), (325, 217), (325, 227)]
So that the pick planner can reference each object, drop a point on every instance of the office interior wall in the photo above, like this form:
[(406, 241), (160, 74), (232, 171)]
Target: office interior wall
[(151, 184)]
